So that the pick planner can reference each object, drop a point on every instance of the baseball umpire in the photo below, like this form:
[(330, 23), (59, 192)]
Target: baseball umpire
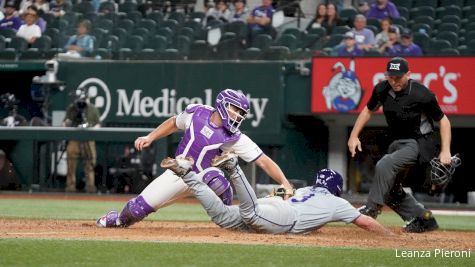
[(310, 208), (410, 110)]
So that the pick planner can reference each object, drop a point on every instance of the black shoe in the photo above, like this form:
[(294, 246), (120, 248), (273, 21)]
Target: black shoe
[(424, 223), (370, 211)]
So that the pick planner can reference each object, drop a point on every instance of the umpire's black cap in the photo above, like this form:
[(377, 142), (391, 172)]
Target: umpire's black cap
[(397, 66)]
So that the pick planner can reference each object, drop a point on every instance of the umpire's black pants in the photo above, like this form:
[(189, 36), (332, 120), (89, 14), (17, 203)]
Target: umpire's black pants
[(402, 154)]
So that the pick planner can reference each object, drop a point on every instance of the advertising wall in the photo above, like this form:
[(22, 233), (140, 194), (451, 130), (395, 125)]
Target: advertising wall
[(344, 85), (152, 92)]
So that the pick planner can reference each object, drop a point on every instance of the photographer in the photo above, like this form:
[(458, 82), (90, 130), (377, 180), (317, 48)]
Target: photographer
[(81, 114), (9, 102)]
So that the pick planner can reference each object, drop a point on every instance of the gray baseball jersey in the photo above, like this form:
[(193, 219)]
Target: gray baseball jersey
[(309, 209)]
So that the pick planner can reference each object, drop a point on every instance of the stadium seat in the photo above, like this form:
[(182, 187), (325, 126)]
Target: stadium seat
[(171, 24), (7, 33), (276, 53), (177, 16), (452, 19), (157, 43), (182, 44), (318, 31), (448, 10), (287, 40), (120, 33), (348, 15), (294, 31), (308, 41), (134, 43), (449, 52), (83, 7), (403, 3), (156, 16), (107, 7), (400, 21), (468, 11), (371, 21), (449, 27), (111, 43), (189, 32), (435, 46), (147, 54), (48, 17), (197, 16), (166, 32), (127, 7), (228, 47), (171, 54), (126, 24), (2, 43), (419, 3), (449, 36), (469, 36), (134, 16), (71, 17), (43, 43), (261, 41), (403, 12), (451, 2), (335, 39), (470, 27), (343, 29), (8, 54), (31, 54), (142, 32), (194, 25), (252, 53), (148, 24), (105, 24), (422, 11), (373, 28), (422, 28), (424, 19), (200, 50), (18, 43), (238, 27), (91, 16), (469, 3), (421, 39)]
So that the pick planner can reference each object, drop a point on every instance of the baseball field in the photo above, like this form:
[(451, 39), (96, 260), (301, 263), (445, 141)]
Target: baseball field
[(59, 230)]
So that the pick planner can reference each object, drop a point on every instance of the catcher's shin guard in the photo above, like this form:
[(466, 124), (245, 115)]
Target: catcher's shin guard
[(134, 211)]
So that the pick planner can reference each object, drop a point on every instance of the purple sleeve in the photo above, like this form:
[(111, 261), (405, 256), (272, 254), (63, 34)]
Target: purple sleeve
[(393, 12), (372, 13), (417, 51), (17, 23), (270, 12)]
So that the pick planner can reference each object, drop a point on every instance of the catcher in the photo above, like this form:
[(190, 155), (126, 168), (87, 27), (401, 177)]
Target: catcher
[(310, 208)]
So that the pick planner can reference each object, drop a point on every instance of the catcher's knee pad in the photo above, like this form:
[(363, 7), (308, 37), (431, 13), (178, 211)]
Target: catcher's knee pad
[(215, 179), (395, 196), (134, 211)]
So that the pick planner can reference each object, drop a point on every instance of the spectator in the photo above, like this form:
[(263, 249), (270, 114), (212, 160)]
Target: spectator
[(219, 12), (42, 6), (8, 177), (332, 19), (406, 47), (81, 114), (363, 6), (260, 19), (240, 11), (393, 39), (39, 20), (364, 37), (349, 49), (382, 37), (81, 43), (320, 16), (11, 19), (381, 9), (59, 7), (29, 31), (339, 4)]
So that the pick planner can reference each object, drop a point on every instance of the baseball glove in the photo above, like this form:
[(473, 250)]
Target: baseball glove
[(282, 192)]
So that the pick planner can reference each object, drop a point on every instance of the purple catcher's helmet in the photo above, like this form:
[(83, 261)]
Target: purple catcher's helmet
[(224, 100), (329, 179), (215, 179)]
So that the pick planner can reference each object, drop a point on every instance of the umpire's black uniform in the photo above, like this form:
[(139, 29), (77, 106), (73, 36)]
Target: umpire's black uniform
[(410, 114)]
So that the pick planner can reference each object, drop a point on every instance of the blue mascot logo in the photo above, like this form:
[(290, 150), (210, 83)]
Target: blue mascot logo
[(343, 92)]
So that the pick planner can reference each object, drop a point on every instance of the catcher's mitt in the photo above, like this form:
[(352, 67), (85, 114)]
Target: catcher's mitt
[(282, 192)]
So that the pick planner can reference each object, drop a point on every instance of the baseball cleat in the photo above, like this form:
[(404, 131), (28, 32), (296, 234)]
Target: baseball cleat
[(180, 166), (111, 219), (424, 223), (227, 161), (369, 211)]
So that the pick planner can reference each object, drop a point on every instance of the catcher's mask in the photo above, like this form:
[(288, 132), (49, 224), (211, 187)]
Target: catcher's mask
[(329, 179), (441, 174)]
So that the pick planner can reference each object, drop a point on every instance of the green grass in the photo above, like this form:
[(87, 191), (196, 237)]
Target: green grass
[(90, 210), (28, 252)]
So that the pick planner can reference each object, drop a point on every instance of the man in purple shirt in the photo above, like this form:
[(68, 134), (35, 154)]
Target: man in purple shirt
[(260, 19), (11, 19), (406, 47), (349, 49), (382, 9)]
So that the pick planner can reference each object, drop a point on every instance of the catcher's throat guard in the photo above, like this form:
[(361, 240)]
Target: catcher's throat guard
[(440, 174)]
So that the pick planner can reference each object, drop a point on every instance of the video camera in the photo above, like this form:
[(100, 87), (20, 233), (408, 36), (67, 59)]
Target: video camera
[(80, 106)]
